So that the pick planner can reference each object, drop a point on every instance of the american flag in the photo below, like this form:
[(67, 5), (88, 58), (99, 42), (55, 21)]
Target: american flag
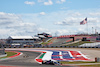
[(83, 22)]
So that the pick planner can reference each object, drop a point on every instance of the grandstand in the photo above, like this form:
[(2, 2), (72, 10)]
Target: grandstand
[(27, 40), (45, 35), (59, 41), (67, 39), (18, 40), (45, 39), (96, 44)]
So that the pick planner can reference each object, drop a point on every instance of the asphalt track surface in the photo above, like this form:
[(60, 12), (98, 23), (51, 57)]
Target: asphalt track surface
[(21, 61), (25, 60)]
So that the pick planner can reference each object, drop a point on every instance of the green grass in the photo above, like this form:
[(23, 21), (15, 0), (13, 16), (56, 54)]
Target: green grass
[(76, 62), (80, 62), (44, 43), (9, 54), (79, 43), (96, 65)]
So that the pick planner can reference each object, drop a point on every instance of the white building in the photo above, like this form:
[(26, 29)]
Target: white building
[(21, 40)]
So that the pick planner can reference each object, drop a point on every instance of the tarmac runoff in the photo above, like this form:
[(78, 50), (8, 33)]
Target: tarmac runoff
[(11, 66), (18, 54), (57, 55), (20, 61), (38, 50), (67, 55)]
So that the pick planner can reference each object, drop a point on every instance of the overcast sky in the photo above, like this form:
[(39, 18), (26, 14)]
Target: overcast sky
[(60, 17)]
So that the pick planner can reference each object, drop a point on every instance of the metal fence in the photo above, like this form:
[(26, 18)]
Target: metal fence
[(48, 46)]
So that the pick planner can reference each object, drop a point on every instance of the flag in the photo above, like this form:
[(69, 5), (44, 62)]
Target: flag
[(83, 22)]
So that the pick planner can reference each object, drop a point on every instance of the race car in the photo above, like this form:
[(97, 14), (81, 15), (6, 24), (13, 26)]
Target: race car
[(50, 62)]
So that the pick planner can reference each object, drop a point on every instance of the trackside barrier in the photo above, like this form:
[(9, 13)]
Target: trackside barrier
[(3, 55), (97, 59), (22, 46), (51, 46), (31, 46)]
